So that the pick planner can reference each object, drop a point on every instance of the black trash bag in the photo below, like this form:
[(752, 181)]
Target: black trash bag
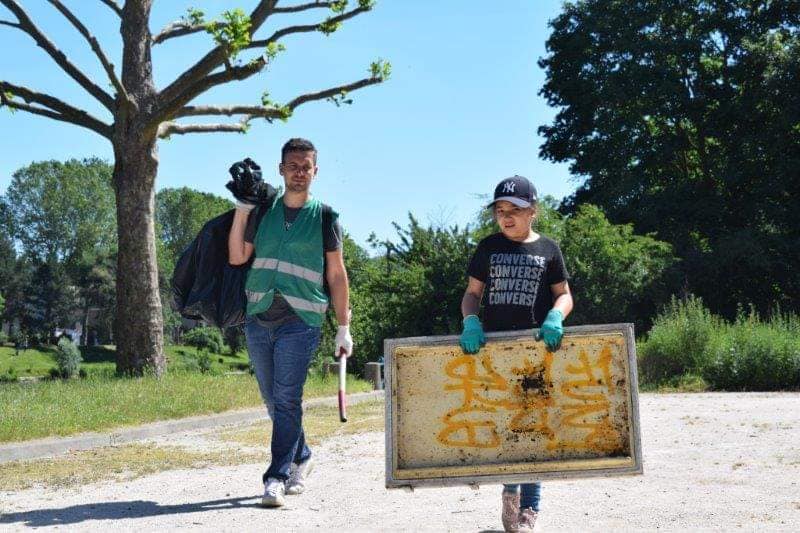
[(204, 285)]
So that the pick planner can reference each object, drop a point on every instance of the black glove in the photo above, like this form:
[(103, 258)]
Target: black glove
[(247, 186)]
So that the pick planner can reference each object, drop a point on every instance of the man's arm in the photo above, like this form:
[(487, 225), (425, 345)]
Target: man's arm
[(239, 251), (471, 302), (336, 275), (562, 298)]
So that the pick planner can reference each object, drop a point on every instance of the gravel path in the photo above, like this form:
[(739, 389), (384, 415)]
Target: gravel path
[(712, 462)]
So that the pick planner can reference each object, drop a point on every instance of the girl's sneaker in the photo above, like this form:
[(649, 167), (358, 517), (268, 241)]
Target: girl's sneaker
[(510, 514), (527, 519)]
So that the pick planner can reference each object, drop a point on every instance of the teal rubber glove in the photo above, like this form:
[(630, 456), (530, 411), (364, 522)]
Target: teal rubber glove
[(472, 337), (552, 331)]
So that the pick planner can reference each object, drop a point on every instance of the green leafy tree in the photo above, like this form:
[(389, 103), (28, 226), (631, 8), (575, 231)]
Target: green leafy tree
[(96, 288), (48, 300), (63, 216), (8, 254), (133, 114), (615, 275), (682, 119), (63, 211)]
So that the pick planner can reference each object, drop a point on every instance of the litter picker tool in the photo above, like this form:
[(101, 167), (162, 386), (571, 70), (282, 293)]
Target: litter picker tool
[(342, 385)]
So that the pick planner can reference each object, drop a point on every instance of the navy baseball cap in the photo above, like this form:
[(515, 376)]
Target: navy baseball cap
[(517, 190)]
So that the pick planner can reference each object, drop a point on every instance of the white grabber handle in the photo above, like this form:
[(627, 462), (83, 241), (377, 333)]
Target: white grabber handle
[(342, 387)]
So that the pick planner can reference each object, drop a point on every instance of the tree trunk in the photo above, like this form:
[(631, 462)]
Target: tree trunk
[(138, 324)]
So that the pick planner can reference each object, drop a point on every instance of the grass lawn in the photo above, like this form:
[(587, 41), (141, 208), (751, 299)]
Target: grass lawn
[(99, 360), (66, 407)]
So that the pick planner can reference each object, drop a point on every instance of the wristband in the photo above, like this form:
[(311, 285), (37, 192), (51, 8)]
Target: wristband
[(244, 206)]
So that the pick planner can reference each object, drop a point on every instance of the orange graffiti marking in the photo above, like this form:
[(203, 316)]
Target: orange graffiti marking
[(591, 411), (576, 415), (462, 426)]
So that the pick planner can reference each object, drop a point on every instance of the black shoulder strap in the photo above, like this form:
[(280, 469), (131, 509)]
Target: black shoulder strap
[(327, 218), (259, 213)]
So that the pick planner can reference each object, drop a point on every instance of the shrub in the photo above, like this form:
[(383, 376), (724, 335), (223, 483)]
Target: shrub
[(676, 345), (753, 354), (204, 362), (204, 339), (9, 376), (688, 343), (68, 358)]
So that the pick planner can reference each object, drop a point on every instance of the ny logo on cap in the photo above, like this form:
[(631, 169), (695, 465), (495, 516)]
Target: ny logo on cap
[(509, 186)]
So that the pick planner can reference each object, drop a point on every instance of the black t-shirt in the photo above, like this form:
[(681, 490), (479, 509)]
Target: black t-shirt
[(280, 312), (518, 276)]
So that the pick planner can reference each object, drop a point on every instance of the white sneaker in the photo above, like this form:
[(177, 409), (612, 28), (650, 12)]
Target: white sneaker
[(296, 483), (274, 490)]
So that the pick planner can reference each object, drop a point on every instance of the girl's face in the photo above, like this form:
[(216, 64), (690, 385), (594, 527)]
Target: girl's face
[(515, 222)]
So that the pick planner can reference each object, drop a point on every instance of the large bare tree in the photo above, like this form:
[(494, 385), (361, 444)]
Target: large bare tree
[(143, 113)]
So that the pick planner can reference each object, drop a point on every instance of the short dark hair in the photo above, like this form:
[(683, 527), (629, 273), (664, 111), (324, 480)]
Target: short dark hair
[(298, 145)]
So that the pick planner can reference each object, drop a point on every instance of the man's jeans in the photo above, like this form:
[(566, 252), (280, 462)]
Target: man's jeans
[(280, 358)]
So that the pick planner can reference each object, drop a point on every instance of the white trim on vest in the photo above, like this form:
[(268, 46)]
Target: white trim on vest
[(305, 305), (270, 263)]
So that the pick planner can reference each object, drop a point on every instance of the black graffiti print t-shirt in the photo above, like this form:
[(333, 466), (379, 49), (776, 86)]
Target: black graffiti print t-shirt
[(517, 276)]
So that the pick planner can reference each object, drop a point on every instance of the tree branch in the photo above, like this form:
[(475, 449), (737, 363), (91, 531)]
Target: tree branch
[(11, 104), (185, 89), (58, 109), (168, 97), (306, 28), (229, 74), (98, 51), (327, 93), (9, 23), (252, 111), (302, 7), (27, 25), (172, 128), (179, 29), (114, 6)]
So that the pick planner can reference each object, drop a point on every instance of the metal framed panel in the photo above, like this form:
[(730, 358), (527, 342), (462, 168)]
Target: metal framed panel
[(513, 413)]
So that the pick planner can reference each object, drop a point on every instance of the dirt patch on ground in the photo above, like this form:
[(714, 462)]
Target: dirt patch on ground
[(712, 462)]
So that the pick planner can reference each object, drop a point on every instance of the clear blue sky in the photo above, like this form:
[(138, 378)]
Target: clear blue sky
[(459, 113)]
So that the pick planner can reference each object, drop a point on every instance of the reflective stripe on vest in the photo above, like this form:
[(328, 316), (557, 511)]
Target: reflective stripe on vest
[(305, 305), (288, 268), (297, 303)]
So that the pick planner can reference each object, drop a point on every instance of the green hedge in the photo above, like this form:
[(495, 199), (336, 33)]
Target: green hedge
[(749, 354)]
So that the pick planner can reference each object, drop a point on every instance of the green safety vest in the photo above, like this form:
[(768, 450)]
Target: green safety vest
[(289, 261)]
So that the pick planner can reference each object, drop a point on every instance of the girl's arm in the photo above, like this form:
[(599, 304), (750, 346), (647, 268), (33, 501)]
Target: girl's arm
[(562, 298)]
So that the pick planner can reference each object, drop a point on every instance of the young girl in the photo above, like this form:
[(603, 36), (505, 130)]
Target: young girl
[(536, 296)]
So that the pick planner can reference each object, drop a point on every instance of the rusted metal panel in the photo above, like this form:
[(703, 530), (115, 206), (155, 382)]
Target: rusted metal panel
[(514, 412)]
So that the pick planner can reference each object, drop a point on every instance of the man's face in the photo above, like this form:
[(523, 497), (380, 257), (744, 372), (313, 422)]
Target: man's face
[(298, 170), (515, 222)]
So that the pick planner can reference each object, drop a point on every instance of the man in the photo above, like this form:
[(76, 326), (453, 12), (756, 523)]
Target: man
[(286, 303)]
